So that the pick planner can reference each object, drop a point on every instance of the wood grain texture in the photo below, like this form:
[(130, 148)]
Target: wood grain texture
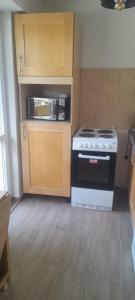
[(45, 80), (46, 155), (107, 98), (44, 44), (5, 202), (59, 252)]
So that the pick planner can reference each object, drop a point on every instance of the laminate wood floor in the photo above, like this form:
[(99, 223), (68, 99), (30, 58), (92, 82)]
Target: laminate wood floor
[(64, 253)]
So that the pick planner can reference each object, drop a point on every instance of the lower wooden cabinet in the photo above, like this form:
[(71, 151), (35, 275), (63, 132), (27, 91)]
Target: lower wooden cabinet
[(132, 189), (46, 156)]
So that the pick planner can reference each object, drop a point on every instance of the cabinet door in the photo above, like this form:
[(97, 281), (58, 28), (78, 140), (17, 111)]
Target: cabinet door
[(44, 44), (46, 154), (132, 192)]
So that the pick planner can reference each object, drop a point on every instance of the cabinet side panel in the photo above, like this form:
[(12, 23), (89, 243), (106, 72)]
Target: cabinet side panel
[(19, 41), (76, 80), (25, 158), (46, 155), (132, 195)]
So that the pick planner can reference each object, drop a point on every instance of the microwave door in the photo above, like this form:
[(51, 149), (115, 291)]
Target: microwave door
[(40, 109), (44, 109)]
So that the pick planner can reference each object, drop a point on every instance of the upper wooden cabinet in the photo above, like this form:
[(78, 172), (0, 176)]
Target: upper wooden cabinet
[(44, 44)]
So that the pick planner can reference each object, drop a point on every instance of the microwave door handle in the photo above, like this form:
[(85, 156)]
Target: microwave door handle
[(93, 157), (30, 108)]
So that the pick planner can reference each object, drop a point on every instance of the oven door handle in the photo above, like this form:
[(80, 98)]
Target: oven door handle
[(94, 157)]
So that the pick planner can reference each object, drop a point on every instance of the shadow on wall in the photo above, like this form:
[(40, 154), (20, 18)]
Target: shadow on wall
[(121, 178)]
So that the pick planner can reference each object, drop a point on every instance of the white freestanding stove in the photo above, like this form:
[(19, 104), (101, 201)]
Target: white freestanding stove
[(93, 168)]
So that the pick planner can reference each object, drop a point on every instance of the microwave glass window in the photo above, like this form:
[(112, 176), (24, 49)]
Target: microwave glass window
[(56, 108), (44, 108)]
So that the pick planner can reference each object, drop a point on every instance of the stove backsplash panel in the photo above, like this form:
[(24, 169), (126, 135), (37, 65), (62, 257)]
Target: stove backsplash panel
[(108, 99)]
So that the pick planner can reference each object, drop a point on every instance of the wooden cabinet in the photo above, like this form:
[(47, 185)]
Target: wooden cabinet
[(5, 203), (44, 44), (47, 54), (132, 189), (46, 149)]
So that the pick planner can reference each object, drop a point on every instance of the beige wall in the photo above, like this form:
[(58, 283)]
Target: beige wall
[(107, 100)]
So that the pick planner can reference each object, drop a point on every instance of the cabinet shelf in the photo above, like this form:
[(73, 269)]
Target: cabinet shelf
[(45, 80)]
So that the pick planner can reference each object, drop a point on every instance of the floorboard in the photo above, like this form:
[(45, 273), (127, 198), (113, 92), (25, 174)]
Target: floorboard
[(63, 253)]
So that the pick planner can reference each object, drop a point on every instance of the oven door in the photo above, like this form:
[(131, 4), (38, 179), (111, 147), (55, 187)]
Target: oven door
[(93, 170)]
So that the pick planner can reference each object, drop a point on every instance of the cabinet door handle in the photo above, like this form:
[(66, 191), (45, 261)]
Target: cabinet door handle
[(21, 63), (24, 132)]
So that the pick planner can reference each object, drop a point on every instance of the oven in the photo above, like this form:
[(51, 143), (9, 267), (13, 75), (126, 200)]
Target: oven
[(94, 153), (93, 170)]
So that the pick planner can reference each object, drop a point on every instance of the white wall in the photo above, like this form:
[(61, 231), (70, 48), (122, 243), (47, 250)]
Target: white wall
[(31, 5), (8, 5), (107, 36), (11, 104)]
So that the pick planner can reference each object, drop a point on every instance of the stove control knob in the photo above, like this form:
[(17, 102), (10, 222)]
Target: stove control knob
[(100, 146), (81, 145)]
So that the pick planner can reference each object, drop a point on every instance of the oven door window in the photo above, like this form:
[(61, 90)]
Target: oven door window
[(93, 170)]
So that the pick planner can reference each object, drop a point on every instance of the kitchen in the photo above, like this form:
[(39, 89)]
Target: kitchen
[(107, 74)]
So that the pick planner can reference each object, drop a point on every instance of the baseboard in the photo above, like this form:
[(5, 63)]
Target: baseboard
[(15, 202)]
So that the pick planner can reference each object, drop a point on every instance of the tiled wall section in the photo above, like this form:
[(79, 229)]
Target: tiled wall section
[(107, 98)]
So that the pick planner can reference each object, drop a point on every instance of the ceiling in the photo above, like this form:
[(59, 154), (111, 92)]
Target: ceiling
[(9, 5)]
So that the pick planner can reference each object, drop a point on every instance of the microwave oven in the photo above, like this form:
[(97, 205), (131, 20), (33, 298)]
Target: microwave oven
[(48, 108)]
